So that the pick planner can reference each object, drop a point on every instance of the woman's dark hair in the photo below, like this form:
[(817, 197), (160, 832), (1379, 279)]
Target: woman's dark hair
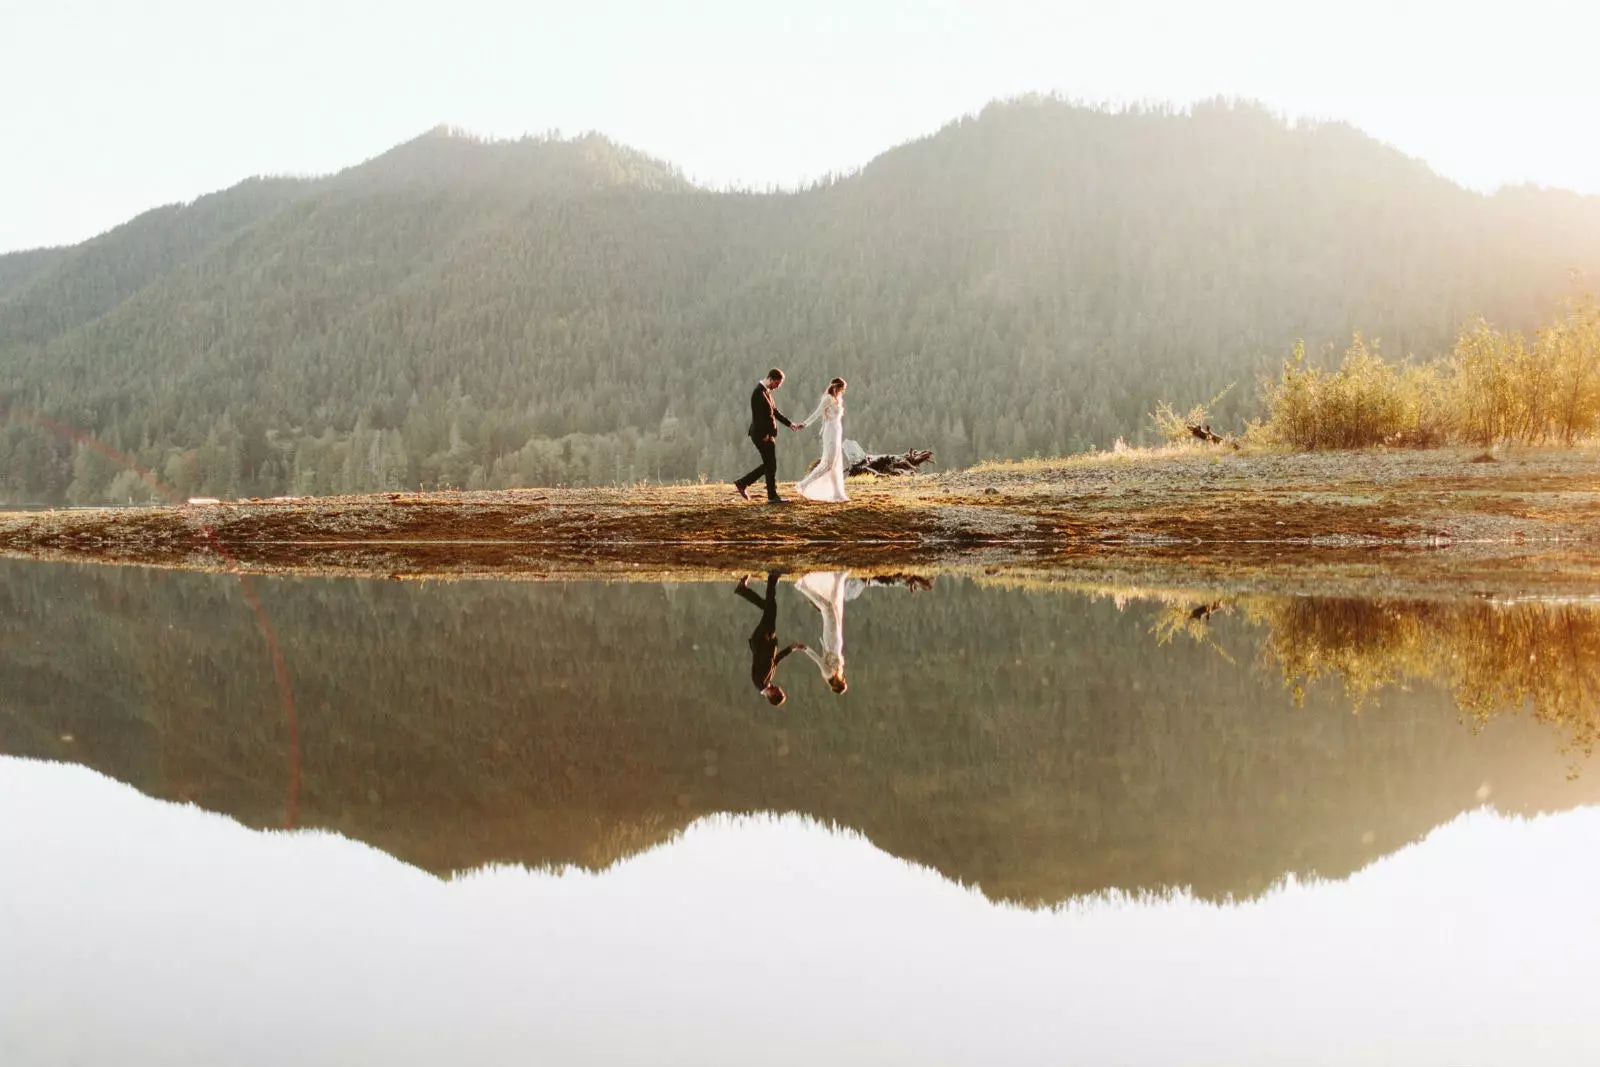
[(837, 386)]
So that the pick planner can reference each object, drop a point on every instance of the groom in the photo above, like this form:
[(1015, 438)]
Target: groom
[(764, 419), (764, 654)]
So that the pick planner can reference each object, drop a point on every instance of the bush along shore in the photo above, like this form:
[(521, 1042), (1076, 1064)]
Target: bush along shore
[(1495, 387)]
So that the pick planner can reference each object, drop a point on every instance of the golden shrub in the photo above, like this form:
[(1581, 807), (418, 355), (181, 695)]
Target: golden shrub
[(1495, 386)]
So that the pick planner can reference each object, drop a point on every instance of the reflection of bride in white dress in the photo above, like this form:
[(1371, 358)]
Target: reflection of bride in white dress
[(827, 591), (826, 480)]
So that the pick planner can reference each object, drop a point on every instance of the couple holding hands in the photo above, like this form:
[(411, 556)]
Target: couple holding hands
[(826, 480)]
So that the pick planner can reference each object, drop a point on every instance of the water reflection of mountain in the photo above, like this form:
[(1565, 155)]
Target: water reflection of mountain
[(1040, 745)]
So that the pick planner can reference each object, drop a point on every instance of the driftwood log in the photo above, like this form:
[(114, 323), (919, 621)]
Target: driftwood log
[(1204, 433), (906, 463), (914, 582), (858, 460)]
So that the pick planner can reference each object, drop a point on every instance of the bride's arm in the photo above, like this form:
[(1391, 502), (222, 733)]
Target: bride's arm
[(809, 419)]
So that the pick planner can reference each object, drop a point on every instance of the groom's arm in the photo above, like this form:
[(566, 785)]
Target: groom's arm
[(781, 417)]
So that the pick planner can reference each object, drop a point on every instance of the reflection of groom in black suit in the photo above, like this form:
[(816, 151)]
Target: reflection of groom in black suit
[(764, 419), (764, 654)]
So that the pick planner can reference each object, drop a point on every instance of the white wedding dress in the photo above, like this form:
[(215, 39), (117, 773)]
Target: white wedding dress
[(826, 480), (827, 591)]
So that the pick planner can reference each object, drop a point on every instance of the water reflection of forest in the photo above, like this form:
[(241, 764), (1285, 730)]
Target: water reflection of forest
[(1038, 744), (1493, 659)]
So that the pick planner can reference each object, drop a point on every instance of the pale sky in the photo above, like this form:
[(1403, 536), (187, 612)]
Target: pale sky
[(107, 108)]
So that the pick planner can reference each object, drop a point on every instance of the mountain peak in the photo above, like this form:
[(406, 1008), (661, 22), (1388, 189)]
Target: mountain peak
[(450, 155)]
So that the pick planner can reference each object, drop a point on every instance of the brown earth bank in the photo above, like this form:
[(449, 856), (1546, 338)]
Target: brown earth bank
[(1520, 522)]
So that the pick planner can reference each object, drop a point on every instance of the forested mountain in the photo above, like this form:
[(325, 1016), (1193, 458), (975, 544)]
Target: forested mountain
[(19, 268), (1038, 746), (455, 312)]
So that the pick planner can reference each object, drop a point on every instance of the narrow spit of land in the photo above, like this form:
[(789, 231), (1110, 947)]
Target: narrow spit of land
[(1525, 521)]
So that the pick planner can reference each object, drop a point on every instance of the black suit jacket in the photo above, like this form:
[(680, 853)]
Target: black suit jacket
[(765, 416), (764, 654)]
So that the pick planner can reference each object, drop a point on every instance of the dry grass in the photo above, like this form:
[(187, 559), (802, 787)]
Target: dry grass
[(1494, 387), (1127, 457)]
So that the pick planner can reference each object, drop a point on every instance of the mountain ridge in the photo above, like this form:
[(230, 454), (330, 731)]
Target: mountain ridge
[(459, 135), (1028, 280)]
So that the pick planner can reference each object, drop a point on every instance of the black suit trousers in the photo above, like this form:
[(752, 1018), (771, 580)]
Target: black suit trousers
[(768, 447)]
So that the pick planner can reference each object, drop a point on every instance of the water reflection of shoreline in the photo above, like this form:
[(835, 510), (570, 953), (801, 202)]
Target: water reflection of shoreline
[(1493, 659), (1038, 745)]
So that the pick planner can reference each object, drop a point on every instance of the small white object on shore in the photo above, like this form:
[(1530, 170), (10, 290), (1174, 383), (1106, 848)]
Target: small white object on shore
[(204, 500)]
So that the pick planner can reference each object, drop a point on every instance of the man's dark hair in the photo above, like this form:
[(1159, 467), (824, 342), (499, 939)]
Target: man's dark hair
[(775, 373)]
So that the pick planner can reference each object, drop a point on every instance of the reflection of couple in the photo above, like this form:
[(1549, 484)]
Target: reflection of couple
[(826, 480), (827, 591)]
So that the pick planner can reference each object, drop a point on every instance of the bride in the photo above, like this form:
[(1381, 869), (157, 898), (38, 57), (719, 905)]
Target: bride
[(826, 480), (827, 591)]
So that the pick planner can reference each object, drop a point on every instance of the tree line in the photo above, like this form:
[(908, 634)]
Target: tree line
[(470, 314)]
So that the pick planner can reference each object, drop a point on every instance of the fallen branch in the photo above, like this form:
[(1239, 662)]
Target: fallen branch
[(858, 461), (914, 582), (908, 463)]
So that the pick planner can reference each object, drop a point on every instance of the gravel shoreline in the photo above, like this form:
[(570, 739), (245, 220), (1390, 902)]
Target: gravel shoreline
[(1529, 519)]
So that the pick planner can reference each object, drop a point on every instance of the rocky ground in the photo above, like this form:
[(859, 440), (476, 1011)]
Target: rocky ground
[(1521, 521)]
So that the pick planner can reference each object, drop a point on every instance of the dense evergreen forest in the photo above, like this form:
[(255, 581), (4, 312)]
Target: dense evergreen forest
[(1031, 280), (1037, 745)]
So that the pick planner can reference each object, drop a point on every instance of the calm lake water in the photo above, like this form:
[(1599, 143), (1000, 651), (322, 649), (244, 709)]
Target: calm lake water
[(336, 822)]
